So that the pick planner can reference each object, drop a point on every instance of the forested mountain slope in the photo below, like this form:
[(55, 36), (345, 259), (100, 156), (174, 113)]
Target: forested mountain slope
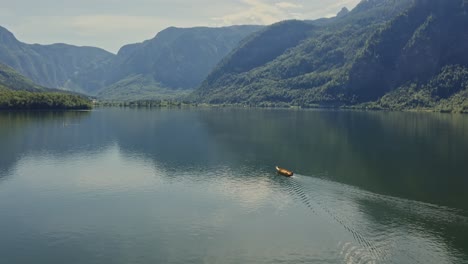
[(19, 92), (10, 79), (380, 47)]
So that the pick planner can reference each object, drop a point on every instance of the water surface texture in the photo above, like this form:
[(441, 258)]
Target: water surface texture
[(199, 186)]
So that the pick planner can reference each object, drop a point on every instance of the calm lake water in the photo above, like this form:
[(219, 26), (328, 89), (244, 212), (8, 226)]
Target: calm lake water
[(199, 186)]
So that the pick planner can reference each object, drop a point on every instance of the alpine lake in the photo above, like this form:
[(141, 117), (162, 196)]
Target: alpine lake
[(198, 185)]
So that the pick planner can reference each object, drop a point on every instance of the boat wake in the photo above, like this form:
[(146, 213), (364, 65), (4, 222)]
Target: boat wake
[(373, 240), (365, 252)]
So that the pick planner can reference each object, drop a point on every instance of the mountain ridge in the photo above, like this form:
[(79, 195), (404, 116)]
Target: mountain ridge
[(175, 59), (55, 65), (317, 60), (378, 47)]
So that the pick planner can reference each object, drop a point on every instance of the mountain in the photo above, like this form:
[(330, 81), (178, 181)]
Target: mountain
[(379, 48), (19, 92), (417, 60), (344, 11), (176, 59), (12, 80), (314, 60), (59, 65)]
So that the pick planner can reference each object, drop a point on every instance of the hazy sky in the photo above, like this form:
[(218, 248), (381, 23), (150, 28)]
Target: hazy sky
[(110, 24)]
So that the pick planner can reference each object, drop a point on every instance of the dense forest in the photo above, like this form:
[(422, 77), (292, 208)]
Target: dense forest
[(384, 54), (44, 100), (18, 92)]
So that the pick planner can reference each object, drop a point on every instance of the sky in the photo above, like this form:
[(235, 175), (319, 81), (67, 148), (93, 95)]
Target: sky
[(110, 24)]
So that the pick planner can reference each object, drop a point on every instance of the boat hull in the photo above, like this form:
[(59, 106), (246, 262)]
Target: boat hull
[(284, 172)]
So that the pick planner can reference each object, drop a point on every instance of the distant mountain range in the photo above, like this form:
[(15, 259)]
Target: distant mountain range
[(58, 66), (383, 54), (175, 59)]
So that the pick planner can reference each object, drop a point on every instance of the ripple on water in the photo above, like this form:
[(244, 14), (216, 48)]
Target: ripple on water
[(399, 234)]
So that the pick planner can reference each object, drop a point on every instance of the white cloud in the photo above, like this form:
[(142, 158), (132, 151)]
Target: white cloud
[(330, 10), (96, 24), (288, 5), (267, 12), (260, 12)]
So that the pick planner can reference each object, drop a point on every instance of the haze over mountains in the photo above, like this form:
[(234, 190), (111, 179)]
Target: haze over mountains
[(175, 59), (396, 54), (56, 66)]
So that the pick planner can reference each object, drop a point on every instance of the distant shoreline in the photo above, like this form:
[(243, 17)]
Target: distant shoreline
[(26, 100), (178, 104)]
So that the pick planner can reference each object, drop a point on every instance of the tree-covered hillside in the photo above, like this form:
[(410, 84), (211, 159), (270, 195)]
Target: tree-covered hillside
[(379, 47), (18, 92), (423, 47), (17, 82)]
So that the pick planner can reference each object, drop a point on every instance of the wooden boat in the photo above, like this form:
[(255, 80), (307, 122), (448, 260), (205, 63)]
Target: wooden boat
[(284, 172)]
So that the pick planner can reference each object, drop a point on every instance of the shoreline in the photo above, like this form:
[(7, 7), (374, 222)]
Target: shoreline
[(178, 104)]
